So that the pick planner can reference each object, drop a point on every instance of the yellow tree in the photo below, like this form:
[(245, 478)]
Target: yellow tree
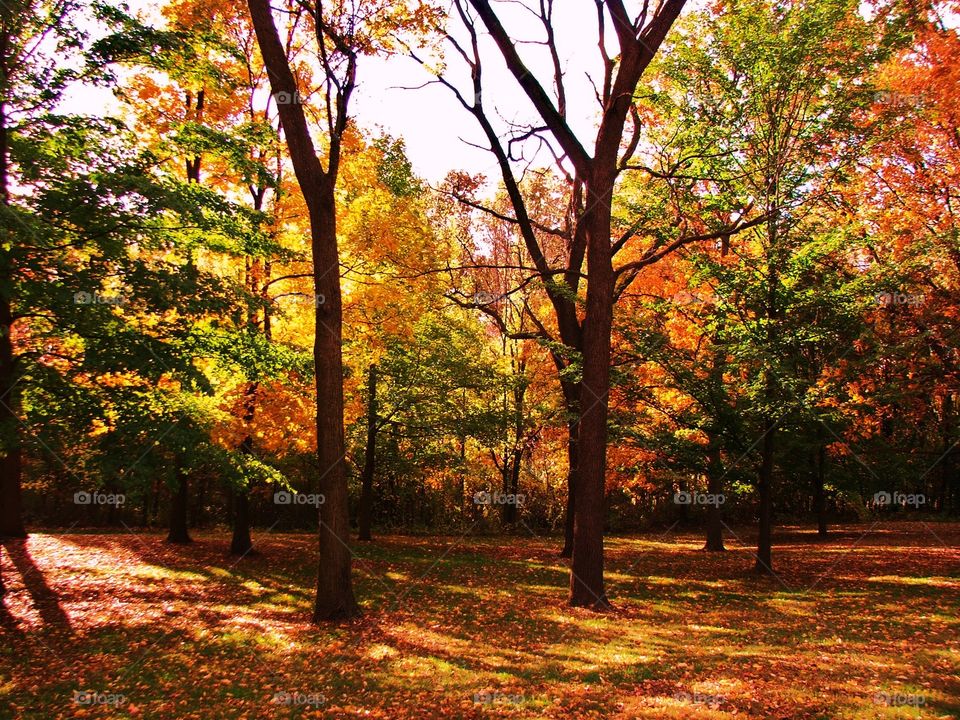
[(341, 33)]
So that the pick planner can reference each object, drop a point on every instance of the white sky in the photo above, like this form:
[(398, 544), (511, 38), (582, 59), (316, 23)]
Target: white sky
[(433, 123), (430, 120)]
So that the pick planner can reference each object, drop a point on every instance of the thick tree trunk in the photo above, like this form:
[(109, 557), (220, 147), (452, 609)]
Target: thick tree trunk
[(586, 574), (179, 533), (369, 457), (714, 487), (11, 463), (764, 563), (241, 543), (335, 599)]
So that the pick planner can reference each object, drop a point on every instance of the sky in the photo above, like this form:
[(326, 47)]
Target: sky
[(435, 126), (436, 129)]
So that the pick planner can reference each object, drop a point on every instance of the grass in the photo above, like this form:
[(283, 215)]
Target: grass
[(864, 625)]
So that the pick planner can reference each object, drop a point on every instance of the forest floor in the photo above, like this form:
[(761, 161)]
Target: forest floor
[(864, 625)]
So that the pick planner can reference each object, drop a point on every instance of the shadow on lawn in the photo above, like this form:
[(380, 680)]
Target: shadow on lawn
[(446, 620), (45, 600)]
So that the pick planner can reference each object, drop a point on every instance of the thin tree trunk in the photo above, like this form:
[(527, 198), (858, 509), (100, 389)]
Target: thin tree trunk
[(573, 463), (241, 543), (764, 564), (513, 485), (463, 481), (947, 471), (370, 456), (819, 490)]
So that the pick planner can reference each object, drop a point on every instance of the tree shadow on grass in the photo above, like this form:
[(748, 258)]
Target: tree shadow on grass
[(44, 598)]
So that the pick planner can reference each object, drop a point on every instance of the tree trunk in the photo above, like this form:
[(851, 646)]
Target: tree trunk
[(819, 491), (764, 564), (179, 533), (947, 499), (242, 544), (335, 599), (462, 481), (586, 573), (715, 488), (573, 463), (370, 456), (11, 461), (513, 485)]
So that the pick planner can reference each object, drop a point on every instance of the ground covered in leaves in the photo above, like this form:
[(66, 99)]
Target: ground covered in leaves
[(864, 625)]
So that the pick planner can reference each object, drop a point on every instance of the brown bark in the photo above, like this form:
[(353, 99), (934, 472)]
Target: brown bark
[(11, 462), (334, 592), (370, 457), (764, 563), (241, 543), (179, 533), (586, 572), (573, 464), (819, 490), (714, 487)]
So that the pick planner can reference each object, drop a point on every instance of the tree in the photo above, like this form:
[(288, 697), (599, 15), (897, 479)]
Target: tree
[(342, 35), (592, 178), (788, 131), (903, 399), (29, 88)]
